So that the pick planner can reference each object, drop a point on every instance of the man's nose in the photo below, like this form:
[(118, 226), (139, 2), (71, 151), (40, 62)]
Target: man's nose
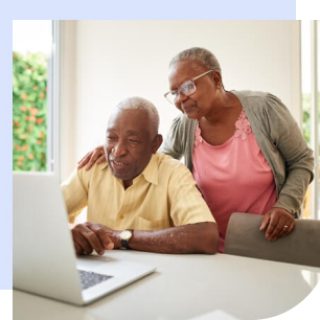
[(119, 149)]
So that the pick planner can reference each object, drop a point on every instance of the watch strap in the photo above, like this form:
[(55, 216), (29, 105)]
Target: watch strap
[(124, 242)]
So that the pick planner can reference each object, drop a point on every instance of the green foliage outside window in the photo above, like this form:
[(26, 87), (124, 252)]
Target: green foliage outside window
[(306, 108), (306, 121), (29, 112)]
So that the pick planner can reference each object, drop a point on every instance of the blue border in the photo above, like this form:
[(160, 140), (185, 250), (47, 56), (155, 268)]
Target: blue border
[(6, 158), (146, 9)]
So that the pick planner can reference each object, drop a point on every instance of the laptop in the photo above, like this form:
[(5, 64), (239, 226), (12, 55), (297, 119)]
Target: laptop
[(44, 260)]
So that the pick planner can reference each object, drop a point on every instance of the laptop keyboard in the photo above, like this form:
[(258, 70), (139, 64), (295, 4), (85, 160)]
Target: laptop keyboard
[(89, 278)]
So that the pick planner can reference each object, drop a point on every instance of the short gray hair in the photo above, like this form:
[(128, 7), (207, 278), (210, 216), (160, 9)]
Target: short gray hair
[(201, 55), (139, 103)]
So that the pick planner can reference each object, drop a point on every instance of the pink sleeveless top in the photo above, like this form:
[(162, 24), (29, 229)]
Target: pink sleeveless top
[(233, 176)]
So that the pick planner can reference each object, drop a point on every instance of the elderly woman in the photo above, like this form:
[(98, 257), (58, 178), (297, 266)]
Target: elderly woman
[(244, 148)]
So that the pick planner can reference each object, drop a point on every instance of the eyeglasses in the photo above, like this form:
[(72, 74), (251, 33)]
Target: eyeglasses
[(187, 88)]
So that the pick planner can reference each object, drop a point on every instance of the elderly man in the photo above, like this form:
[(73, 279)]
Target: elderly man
[(139, 199)]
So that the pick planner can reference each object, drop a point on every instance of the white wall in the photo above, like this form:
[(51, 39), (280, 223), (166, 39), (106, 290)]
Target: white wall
[(115, 59)]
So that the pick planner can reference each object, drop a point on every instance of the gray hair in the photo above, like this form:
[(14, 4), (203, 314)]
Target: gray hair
[(200, 55), (138, 103)]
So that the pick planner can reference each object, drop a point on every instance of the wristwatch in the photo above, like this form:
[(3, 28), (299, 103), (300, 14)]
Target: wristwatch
[(125, 237)]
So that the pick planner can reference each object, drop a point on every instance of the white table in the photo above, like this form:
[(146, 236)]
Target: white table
[(185, 287)]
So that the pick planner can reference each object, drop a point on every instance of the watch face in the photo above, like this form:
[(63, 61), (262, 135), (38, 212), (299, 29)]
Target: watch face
[(125, 235)]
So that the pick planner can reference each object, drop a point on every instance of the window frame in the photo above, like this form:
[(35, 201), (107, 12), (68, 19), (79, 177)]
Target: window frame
[(314, 71), (53, 145)]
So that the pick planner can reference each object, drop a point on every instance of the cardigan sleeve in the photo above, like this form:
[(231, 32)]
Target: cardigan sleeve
[(179, 140), (298, 157), (172, 145)]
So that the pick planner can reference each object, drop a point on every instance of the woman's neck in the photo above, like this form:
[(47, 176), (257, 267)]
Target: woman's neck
[(226, 107)]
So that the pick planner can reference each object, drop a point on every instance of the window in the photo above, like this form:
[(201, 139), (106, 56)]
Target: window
[(34, 92), (310, 53)]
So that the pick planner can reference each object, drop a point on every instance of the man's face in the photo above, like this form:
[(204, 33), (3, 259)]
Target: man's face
[(130, 143)]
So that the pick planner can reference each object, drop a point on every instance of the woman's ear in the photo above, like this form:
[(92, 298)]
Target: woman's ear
[(216, 76), (156, 143)]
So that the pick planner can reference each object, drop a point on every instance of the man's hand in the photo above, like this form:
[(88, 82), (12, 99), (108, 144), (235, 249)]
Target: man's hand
[(277, 223), (95, 156), (89, 237)]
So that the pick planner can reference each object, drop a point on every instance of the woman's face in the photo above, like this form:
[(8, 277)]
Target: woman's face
[(201, 102)]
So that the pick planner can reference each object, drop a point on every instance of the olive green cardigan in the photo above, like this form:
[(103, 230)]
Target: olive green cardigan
[(278, 137)]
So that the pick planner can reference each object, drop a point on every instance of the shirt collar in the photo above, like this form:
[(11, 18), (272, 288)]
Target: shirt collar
[(150, 172)]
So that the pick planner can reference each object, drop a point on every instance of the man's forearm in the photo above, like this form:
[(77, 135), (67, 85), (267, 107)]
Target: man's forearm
[(191, 238)]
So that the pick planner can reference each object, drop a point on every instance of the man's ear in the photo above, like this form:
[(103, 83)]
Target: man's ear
[(156, 143)]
